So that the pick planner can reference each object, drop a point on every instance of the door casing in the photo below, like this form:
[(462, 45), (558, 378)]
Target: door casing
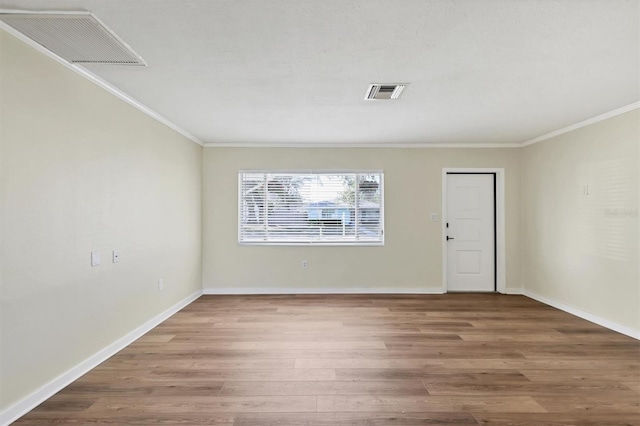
[(501, 282)]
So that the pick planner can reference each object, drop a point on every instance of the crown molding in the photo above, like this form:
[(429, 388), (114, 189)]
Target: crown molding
[(99, 82), (155, 115), (581, 124), (546, 136), (360, 145)]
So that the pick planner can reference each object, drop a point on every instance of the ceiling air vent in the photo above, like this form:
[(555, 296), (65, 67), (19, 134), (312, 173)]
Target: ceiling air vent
[(77, 37), (384, 91)]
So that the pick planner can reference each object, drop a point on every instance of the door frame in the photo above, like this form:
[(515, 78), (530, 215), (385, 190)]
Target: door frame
[(500, 244)]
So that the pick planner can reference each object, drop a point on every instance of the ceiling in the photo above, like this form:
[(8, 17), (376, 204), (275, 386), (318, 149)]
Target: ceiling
[(296, 72)]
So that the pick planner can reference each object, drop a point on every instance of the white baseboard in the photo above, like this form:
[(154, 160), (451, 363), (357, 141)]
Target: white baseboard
[(585, 315), (36, 398), (513, 291), (323, 290)]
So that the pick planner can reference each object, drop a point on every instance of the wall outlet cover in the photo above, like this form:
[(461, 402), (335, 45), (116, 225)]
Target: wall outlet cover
[(95, 258)]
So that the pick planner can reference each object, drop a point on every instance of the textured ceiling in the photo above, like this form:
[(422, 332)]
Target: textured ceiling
[(289, 71)]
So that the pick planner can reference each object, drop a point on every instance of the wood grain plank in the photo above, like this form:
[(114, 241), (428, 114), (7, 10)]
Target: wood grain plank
[(528, 389), (210, 404), (556, 419), (309, 345), (583, 375), (356, 419), (321, 360), (189, 375), (591, 403), (509, 404), (337, 387)]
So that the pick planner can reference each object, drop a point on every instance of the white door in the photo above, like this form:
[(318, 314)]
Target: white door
[(470, 232)]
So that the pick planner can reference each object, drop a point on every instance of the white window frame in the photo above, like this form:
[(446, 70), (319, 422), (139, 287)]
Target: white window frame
[(313, 243)]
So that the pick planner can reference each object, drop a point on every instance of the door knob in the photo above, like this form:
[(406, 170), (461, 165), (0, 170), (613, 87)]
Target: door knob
[(450, 238)]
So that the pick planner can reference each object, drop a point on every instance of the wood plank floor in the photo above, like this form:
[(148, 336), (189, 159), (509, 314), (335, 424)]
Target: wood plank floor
[(456, 359)]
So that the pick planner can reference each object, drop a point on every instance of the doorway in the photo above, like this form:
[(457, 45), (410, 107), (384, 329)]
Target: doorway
[(473, 246)]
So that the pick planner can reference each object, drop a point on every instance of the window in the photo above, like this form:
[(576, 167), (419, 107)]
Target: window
[(311, 207)]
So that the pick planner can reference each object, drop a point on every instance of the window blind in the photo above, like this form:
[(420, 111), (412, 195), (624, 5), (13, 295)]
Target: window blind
[(311, 207)]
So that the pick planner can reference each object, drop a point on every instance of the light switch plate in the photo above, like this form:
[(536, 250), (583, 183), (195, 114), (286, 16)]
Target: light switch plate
[(434, 217), (95, 258)]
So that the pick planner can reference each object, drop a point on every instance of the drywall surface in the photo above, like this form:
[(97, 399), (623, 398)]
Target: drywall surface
[(410, 260), (82, 171), (580, 219)]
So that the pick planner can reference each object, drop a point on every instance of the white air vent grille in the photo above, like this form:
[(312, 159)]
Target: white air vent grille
[(77, 37), (384, 91)]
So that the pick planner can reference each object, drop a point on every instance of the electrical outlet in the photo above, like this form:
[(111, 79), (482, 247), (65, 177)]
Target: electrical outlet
[(585, 189), (434, 217), (160, 284), (305, 264)]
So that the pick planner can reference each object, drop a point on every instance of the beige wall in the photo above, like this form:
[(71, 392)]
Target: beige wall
[(82, 171), (574, 251), (411, 258)]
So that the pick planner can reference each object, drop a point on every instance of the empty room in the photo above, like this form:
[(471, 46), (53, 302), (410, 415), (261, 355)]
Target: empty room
[(320, 212)]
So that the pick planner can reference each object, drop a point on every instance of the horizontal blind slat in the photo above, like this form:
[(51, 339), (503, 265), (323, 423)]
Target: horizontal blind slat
[(310, 207)]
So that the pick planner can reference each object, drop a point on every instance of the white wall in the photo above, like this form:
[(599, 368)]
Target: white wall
[(411, 259), (82, 171), (583, 250)]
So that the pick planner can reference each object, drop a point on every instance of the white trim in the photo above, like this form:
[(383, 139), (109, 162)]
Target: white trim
[(581, 124), (313, 171), (546, 136), (611, 325), (99, 82), (382, 209), (314, 243), (37, 397), (501, 269), (357, 145), (321, 290), (513, 291), (116, 36)]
